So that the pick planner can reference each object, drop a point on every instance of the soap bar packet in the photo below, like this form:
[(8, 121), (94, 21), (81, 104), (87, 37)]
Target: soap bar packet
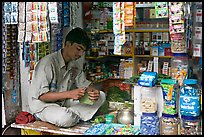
[(148, 79)]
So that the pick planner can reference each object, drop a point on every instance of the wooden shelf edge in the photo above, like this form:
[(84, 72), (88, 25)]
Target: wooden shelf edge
[(150, 56), (99, 57), (99, 81), (135, 30)]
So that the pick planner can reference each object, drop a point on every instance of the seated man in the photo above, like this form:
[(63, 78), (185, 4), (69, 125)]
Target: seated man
[(51, 97)]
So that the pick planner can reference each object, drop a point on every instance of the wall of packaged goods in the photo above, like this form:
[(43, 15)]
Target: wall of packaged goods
[(161, 37)]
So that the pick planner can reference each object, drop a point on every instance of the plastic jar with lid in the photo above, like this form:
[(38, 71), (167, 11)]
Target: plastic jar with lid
[(190, 125), (179, 67), (169, 124), (190, 98), (148, 100), (149, 124), (170, 96)]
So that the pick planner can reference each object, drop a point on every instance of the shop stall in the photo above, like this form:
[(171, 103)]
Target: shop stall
[(145, 56)]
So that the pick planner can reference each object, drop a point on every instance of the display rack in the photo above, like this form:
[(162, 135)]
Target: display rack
[(133, 30)]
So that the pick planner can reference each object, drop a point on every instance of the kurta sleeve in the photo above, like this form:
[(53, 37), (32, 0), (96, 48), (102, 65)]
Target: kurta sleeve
[(43, 78)]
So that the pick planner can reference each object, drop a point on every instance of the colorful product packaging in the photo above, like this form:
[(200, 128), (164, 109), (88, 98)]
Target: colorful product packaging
[(170, 92), (148, 79), (190, 98)]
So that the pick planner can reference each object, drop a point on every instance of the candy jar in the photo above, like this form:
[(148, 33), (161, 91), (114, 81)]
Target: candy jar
[(169, 124), (190, 98), (179, 67), (148, 100), (170, 96), (190, 125)]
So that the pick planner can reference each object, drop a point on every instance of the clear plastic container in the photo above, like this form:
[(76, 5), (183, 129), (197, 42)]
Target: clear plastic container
[(179, 67), (169, 124), (170, 96), (190, 125), (190, 98), (148, 100)]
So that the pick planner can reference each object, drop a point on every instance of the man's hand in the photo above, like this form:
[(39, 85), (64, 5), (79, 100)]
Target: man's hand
[(93, 93), (77, 93), (59, 96)]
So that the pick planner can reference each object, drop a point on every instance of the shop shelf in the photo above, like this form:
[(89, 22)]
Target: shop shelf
[(150, 56), (147, 30), (99, 57), (102, 80)]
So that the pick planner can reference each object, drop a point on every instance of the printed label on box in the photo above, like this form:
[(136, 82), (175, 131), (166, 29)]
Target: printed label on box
[(199, 15), (198, 32)]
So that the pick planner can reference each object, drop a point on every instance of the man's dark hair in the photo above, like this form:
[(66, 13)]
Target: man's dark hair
[(78, 35)]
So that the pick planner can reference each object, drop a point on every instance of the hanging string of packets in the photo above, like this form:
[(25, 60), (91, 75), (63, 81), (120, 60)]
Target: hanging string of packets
[(161, 9), (10, 51), (9, 46), (66, 14), (10, 55), (188, 23), (129, 14), (74, 7), (4, 43), (34, 32), (176, 27), (33, 23), (33, 52), (197, 29), (119, 29), (11, 12), (53, 15), (57, 30)]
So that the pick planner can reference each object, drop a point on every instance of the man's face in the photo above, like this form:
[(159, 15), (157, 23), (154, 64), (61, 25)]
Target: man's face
[(75, 51)]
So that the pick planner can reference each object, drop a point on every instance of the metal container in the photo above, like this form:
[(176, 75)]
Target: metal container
[(125, 116)]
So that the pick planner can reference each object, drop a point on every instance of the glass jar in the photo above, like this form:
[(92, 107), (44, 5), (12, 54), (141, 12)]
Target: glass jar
[(190, 98), (170, 96), (190, 125), (148, 100), (169, 124), (179, 67), (149, 124)]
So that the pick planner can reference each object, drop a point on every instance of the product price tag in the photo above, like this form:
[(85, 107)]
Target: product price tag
[(199, 15), (197, 50), (198, 32)]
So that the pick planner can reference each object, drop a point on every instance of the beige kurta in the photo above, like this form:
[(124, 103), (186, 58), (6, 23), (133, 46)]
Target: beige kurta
[(52, 75)]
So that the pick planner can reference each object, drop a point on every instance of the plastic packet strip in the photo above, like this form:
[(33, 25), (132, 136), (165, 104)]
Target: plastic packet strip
[(149, 125), (53, 15)]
